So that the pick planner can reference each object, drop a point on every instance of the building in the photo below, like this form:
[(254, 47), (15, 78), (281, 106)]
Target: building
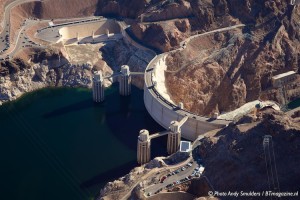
[(185, 146), (284, 78)]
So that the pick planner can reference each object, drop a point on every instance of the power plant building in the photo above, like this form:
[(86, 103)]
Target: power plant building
[(283, 78)]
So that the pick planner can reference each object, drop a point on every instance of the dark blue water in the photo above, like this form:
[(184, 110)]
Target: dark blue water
[(294, 104), (56, 144)]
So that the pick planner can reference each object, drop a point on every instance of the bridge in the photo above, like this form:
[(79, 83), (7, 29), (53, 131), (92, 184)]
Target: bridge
[(173, 143), (124, 79)]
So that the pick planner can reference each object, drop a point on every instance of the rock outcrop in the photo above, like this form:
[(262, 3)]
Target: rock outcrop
[(118, 53), (53, 68), (225, 70), (167, 35), (234, 158), (42, 75)]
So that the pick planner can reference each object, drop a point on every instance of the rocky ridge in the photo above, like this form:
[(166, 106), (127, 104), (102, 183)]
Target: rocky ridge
[(53, 68), (237, 155), (42, 75), (239, 63), (233, 158)]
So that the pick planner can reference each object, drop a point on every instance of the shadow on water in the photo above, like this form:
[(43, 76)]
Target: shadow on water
[(294, 104), (126, 116), (85, 104), (109, 175), (122, 117)]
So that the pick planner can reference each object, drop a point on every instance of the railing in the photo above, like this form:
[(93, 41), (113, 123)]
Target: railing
[(74, 22), (171, 105)]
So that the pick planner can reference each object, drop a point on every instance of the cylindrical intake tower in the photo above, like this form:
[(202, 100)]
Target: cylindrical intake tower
[(174, 137), (143, 147), (98, 87), (125, 81)]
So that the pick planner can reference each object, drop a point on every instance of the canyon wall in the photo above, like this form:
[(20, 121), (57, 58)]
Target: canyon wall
[(221, 72)]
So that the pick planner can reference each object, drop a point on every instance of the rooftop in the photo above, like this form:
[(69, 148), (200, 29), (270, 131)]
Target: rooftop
[(284, 75), (185, 146)]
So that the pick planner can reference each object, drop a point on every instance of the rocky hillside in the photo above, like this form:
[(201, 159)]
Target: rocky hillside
[(234, 158), (68, 67), (18, 77), (239, 63), (118, 53), (53, 9), (223, 71)]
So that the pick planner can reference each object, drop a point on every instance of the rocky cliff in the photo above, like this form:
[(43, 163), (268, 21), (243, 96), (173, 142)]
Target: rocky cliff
[(118, 53), (222, 71), (39, 75), (234, 158), (68, 67)]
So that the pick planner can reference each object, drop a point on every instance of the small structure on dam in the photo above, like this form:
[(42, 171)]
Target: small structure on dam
[(123, 77), (173, 143)]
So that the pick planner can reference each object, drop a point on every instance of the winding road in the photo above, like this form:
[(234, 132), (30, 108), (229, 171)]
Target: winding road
[(7, 50), (6, 32)]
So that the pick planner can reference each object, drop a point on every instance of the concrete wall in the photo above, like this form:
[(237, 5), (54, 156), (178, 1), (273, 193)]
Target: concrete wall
[(163, 112), (86, 29), (163, 115)]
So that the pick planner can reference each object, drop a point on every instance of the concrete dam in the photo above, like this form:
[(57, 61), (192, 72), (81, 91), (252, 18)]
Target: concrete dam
[(164, 112)]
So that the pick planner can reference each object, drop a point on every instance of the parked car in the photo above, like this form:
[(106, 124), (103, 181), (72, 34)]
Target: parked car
[(162, 179)]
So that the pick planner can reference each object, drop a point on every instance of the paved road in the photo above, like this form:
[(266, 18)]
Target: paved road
[(182, 174), (5, 34), (151, 85), (21, 41), (172, 179), (124, 26)]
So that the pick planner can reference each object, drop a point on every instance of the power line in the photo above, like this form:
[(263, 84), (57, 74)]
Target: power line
[(270, 163)]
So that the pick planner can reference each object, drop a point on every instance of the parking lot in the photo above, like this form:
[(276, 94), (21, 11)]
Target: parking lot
[(183, 174)]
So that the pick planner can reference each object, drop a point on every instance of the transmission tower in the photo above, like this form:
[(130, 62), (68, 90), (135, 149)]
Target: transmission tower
[(270, 163)]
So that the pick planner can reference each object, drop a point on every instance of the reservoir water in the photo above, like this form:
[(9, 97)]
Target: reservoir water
[(294, 104), (57, 144)]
